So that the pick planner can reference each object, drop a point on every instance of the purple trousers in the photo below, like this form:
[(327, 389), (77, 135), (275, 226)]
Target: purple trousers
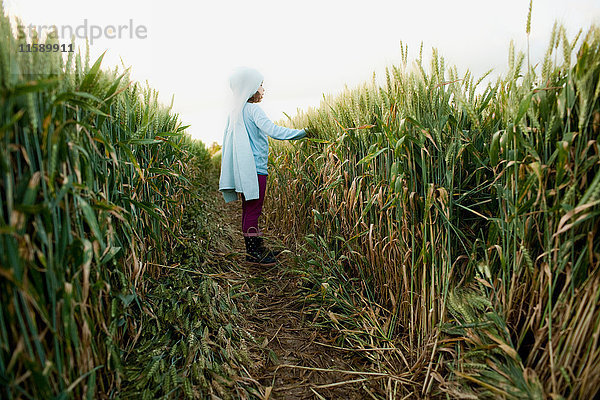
[(252, 209)]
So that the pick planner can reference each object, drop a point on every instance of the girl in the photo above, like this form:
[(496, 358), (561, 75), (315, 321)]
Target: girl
[(245, 154)]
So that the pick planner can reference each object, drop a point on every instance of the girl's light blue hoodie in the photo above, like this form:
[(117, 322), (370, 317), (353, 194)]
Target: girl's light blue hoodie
[(245, 148), (259, 126)]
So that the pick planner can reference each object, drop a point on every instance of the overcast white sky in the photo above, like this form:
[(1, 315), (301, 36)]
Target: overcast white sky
[(303, 48)]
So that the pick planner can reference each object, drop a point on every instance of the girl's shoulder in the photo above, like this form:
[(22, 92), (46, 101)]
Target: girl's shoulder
[(253, 109), (252, 106)]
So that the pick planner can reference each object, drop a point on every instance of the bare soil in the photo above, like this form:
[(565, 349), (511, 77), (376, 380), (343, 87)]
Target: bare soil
[(295, 358)]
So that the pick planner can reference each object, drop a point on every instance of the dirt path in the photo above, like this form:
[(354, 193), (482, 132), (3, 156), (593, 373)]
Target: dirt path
[(295, 358)]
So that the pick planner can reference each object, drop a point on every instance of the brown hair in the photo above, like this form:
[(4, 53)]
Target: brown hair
[(255, 98)]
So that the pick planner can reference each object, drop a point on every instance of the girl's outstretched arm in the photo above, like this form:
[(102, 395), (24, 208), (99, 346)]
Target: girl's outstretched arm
[(275, 131)]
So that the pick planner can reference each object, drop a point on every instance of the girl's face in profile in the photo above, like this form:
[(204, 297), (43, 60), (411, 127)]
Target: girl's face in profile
[(261, 91)]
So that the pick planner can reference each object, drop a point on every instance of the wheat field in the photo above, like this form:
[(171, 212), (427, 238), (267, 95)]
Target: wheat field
[(464, 215), (442, 229)]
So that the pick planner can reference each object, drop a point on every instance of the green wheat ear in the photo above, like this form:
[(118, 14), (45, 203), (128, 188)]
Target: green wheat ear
[(528, 31), (528, 27)]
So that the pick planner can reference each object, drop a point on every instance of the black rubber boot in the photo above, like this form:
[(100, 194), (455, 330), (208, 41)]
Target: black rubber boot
[(256, 252)]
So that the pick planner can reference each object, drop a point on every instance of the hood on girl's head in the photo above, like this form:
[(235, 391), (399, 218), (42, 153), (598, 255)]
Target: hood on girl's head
[(244, 82)]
